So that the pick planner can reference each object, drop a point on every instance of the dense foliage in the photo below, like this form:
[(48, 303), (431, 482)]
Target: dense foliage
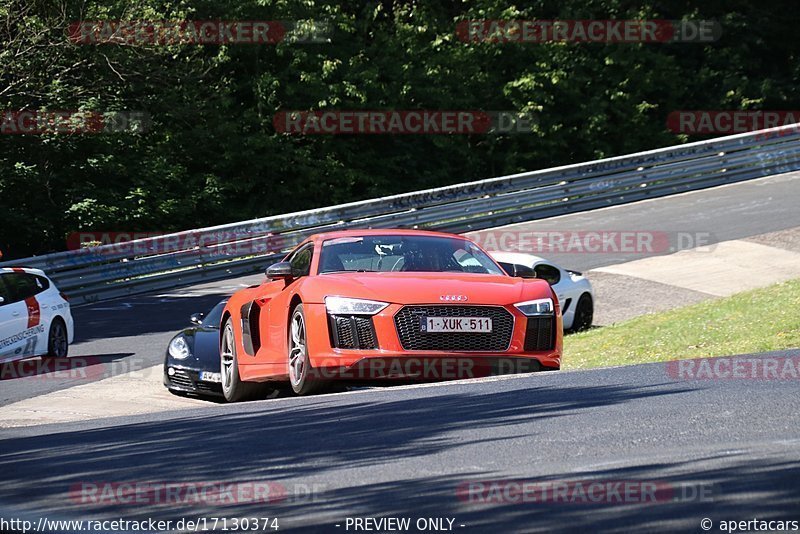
[(210, 153)]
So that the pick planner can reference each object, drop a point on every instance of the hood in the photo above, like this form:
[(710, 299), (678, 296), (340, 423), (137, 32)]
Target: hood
[(425, 288), (204, 344)]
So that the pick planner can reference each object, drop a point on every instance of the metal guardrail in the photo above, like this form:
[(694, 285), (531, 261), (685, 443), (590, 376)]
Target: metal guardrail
[(109, 271)]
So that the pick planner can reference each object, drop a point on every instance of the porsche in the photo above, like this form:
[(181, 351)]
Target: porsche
[(573, 289), (385, 304), (191, 362)]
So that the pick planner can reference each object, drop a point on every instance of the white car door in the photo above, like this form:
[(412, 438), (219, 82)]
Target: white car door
[(13, 323), (566, 289)]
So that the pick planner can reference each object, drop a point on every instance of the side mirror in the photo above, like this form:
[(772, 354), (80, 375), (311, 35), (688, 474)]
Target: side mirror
[(523, 271), (197, 318), (280, 271), (2, 300), (548, 273), (520, 271)]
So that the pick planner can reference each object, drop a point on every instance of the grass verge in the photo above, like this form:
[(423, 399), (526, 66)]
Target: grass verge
[(753, 321)]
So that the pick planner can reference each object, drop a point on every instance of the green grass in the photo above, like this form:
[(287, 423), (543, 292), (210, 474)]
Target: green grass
[(753, 321)]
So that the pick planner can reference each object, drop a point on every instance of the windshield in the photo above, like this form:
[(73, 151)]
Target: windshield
[(212, 318), (390, 253)]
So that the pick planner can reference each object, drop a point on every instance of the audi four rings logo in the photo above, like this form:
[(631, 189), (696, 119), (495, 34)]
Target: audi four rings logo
[(453, 298)]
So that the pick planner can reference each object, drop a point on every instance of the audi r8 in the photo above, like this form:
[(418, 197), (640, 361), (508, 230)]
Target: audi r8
[(385, 304), (35, 318), (573, 289)]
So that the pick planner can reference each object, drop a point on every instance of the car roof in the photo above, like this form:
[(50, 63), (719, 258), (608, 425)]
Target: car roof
[(28, 270), (383, 231)]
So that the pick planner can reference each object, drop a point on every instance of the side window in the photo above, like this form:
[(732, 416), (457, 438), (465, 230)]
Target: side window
[(301, 261), (20, 286), (41, 283), (548, 272), (6, 298), (30, 287)]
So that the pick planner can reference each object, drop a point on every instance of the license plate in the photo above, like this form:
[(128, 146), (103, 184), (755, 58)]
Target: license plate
[(208, 376), (456, 324)]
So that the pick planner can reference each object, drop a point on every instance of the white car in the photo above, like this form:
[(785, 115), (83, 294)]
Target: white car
[(35, 318), (574, 290)]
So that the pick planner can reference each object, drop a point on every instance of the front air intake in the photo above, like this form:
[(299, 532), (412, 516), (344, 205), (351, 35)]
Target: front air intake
[(352, 332), (540, 334)]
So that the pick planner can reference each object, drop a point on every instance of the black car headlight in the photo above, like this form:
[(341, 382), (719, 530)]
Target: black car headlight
[(179, 348), (536, 308)]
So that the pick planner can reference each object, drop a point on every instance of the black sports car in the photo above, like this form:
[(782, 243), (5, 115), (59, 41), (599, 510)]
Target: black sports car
[(192, 362)]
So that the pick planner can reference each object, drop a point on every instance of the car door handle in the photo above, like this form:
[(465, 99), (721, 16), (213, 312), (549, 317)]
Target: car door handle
[(15, 314)]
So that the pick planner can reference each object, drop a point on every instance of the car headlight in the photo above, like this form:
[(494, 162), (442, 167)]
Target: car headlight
[(179, 349), (536, 307), (345, 306)]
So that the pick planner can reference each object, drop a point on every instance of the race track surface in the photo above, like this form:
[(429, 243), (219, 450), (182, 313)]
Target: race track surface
[(733, 445)]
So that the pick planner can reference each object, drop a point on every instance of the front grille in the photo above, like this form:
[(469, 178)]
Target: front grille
[(191, 380), (182, 379), (408, 322), (352, 332), (540, 333)]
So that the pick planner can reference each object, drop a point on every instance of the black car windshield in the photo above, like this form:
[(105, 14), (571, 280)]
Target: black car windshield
[(393, 253), (212, 318)]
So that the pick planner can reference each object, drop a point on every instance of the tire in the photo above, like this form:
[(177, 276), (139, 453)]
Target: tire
[(57, 341), (234, 389), (301, 373), (584, 313)]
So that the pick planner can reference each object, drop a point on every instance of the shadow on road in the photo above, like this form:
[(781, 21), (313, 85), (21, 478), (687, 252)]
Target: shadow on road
[(350, 443), (139, 315), (741, 490), (24, 379), (81, 368)]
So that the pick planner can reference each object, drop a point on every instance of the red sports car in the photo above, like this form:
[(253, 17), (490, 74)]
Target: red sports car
[(367, 305)]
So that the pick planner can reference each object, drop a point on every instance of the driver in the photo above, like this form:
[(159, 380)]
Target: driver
[(423, 258)]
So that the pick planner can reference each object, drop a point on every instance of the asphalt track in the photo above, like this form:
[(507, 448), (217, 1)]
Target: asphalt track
[(404, 451), (717, 214), (727, 450)]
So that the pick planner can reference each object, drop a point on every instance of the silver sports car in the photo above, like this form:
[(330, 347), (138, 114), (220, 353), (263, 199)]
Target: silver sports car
[(573, 289)]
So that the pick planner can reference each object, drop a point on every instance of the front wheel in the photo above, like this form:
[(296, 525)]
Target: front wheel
[(233, 387), (301, 374)]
